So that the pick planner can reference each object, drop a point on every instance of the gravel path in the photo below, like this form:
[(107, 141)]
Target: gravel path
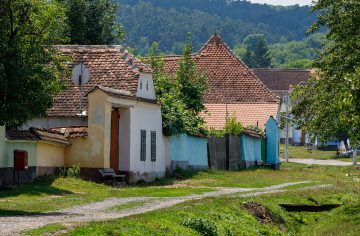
[(311, 161), (98, 211)]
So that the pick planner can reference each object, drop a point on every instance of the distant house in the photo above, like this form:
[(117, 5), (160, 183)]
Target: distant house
[(116, 123), (233, 89), (281, 82)]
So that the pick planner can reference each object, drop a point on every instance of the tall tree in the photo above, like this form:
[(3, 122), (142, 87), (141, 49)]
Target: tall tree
[(30, 70), (337, 83), (257, 52), (192, 82), (92, 21), (181, 100)]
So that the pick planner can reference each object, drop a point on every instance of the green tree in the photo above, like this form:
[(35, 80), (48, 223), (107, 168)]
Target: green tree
[(257, 52), (92, 21), (317, 112), (177, 116), (30, 69), (336, 91), (192, 83)]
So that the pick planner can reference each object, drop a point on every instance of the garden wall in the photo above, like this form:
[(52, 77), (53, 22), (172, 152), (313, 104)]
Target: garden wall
[(188, 152)]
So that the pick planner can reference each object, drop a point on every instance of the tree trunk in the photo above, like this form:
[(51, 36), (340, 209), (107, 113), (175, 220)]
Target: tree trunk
[(346, 144)]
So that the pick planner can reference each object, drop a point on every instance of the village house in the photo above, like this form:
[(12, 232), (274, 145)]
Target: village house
[(112, 121), (233, 89), (281, 82)]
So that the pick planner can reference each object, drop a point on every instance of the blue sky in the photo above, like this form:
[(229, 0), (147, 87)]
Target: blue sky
[(283, 2)]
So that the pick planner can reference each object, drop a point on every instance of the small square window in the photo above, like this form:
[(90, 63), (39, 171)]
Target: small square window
[(153, 145), (143, 145)]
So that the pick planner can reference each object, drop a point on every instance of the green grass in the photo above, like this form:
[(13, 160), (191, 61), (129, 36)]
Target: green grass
[(127, 206), (227, 216), (60, 193), (301, 152), (47, 229), (257, 178)]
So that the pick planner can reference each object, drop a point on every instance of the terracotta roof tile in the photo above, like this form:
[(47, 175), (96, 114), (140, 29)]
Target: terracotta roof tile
[(280, 80), (21, 135), (37, 134), (110, 66), (72, 132), (230, 82), (229, 79), (247, 114), (50, 135)]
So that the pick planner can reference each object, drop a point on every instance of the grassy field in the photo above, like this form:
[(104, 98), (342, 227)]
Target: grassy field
[(235, 215), (301, 152), (230, 215), (60, 193)]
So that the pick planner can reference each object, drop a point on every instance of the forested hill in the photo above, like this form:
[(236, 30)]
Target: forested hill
[(168, 21)]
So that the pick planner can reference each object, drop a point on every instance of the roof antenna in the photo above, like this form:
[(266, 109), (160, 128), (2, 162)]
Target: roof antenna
[(80, 76)]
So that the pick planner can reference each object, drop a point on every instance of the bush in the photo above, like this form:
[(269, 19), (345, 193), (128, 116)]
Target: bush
[(233, 127), (74, 171), (203, 226)]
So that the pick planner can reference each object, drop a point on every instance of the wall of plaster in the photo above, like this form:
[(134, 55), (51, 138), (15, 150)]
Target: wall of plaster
[(50, 155), (124, 139), (145, 116), (251, 148), (94, 150), (10, 146), (272, 142), (190, 149), (147, 89), (53, 122)]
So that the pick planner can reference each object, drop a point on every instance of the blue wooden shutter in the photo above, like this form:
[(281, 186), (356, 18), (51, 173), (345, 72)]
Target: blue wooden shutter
[(153, 145), (143, 145)]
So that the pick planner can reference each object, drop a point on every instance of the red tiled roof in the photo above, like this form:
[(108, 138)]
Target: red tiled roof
[(37, 134), (229, 79), (73, 132), (110, 66), (280, 80), (247, 114), (230, 82), (120, 93)]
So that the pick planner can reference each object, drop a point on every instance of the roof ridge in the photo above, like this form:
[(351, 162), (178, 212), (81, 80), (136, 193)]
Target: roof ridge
[(282, 69), (217, 37), (95, 46)]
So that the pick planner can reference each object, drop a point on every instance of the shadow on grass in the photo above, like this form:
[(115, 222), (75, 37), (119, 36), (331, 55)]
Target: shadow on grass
[(15, 213), (37, 187), (177, 175)]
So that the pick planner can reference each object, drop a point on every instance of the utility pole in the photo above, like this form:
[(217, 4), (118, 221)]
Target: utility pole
[(287, 129)]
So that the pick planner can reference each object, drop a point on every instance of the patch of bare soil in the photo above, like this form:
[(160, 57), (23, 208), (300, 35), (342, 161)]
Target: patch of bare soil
[(259, 211)]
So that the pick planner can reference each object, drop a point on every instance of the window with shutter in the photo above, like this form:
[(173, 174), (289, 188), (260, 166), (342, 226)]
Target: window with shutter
[(143, 145), (153, 145)]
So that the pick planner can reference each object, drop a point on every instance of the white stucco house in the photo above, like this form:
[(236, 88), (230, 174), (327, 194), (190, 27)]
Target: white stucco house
[(114, 120)]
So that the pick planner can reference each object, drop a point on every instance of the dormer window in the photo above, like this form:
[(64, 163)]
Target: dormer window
[(148, 91)]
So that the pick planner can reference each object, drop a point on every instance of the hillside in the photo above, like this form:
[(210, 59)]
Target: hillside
[(168, 21)]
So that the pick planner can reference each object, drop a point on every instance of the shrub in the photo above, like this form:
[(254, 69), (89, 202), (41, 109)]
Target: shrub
[(233, 127), (203, 226), (74, 171)]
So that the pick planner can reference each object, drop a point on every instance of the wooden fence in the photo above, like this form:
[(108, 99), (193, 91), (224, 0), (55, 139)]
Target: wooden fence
[(224, 153)]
